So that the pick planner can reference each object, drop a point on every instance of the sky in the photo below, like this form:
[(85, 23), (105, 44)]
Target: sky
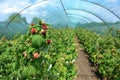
[(8, 7), (12, 6)]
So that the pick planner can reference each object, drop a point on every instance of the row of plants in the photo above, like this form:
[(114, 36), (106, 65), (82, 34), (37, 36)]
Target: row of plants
[(104, 52), (44, 53)]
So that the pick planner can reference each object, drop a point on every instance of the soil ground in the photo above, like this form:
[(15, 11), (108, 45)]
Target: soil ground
[(84, 69)]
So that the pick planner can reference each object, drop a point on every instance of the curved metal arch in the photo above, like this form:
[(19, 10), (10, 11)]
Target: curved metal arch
[(19, 13), (68, 15), (83, 11), (81, 16), (78, 20), (55, 20), (88, 18), (50, 17), (102, 7), (23, 10), (62, 5), (64, 10), (74, 14), (86, 22), (65, 23), (82, 20), (91, 14), (78, 17), (47, 0)]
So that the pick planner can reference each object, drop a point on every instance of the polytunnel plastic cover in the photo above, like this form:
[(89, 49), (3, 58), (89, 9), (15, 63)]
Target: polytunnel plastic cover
[(62, 13)]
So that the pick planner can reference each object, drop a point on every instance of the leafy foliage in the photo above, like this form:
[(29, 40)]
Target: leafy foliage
[(104, 52), (29, 56)]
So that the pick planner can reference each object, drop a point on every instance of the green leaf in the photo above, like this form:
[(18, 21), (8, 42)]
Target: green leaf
[(30, 50), (37, 40), (28, 71)]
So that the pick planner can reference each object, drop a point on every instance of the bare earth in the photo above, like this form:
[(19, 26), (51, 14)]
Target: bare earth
[(84, 69)]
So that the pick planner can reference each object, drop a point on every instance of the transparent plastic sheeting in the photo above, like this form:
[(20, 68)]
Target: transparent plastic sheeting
[(62, 13), (65, 12)]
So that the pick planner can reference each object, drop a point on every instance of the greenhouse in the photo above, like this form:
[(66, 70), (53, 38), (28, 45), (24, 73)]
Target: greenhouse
[(60, 40)]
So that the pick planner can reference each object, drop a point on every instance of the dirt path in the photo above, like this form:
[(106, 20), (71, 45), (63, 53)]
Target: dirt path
[(85, 71)]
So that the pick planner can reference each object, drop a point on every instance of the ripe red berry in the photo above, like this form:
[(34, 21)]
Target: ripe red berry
[(43, 32), (36, 55), (44, 27), (48, 41), (32, 24), (33, 30)]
